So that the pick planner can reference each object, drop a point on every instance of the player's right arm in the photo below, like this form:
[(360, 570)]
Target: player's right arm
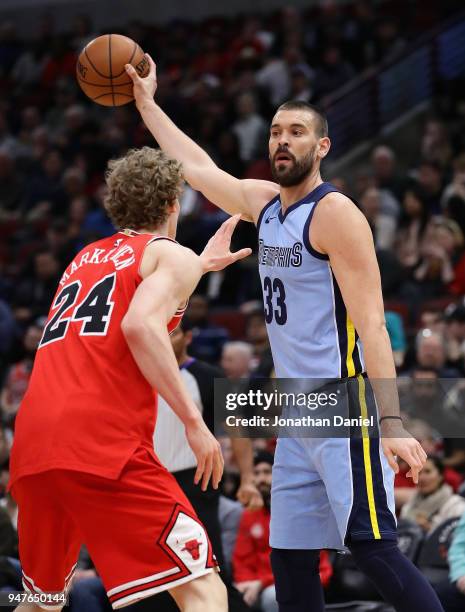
[(170, 274), (246, 197)]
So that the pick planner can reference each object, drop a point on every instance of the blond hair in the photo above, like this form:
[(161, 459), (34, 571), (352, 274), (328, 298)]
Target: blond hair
[(141, 187)]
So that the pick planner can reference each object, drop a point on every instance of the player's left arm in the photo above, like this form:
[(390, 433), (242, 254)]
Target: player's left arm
[(340, 230)]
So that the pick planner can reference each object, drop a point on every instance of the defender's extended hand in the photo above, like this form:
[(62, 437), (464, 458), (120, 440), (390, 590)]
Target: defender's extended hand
[(217, 255), (144, 88)]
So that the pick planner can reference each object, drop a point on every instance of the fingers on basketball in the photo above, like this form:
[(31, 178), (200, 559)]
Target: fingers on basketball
[(101, 69)]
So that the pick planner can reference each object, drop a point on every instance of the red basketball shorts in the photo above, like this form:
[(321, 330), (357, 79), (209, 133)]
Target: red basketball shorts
[(140, 530)]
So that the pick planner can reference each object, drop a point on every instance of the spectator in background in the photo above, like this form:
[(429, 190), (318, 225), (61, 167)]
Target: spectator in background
[(8, 143), (358, 33), (424, 399), (97, 222), (431, 353), (28, 67), (442, 244), (433, 445), (60, 62), (452, 592), (332, 73), (302, 87), (455, 334), (8, 331), (382, 225), (207, 339), (276, 77), (74, 183), (63, 246), (429, 179), (45, 183), (383, 162), (35, 294), (11, 188), (257, 335), (236, 359), (8, 507), (228, 156), (250, 128), (17, 378), (453, 198), (434, 500), (29, 122), (251, 558), (229, 514), (82, 32), (395, 328), (4, 459), (388, 42), (78, 210), (412, 226), (435, 144)]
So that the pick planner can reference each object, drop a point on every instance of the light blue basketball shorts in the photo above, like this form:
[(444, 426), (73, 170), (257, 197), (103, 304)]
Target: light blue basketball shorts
[(327, 492)]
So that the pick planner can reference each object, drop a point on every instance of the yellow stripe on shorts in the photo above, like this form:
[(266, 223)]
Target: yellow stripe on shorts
[(367, 459), (350, 347)]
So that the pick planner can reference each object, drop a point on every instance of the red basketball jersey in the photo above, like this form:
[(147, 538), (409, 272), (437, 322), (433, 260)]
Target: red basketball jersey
[(88, 406)]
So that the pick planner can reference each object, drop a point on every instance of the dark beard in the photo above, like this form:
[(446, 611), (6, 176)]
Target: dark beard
[(267, 500), (294, 175)]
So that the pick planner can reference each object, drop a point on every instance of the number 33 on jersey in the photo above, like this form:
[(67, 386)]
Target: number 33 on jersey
[(310, 333)]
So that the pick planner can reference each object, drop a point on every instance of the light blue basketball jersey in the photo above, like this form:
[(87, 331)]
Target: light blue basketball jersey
[(310, 333)]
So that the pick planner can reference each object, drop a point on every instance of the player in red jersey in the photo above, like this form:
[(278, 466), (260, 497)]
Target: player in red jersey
[(83, 469)]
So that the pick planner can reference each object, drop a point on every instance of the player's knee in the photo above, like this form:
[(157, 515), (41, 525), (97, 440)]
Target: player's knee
[(218, 594), (382, 561), (291, 570), (204, 594)]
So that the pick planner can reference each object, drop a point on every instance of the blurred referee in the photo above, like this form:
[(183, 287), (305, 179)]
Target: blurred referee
[(175, 454)]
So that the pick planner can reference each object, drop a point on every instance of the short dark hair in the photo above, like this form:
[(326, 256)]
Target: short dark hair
[(321, 125), (263, 457), (438, 463), (186, 324)]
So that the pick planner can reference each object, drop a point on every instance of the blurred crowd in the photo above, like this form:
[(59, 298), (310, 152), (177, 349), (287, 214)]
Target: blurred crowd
[(220, 80)]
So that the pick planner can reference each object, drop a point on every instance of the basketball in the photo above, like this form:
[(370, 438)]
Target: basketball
[(100, 69)]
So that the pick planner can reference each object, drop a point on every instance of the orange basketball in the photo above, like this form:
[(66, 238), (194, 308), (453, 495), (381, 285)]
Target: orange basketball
[(100, 69)]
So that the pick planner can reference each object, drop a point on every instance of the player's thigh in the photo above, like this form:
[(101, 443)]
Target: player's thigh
[(141, 531), (49, 541), (204, 594), (299, 505), (357, 477)]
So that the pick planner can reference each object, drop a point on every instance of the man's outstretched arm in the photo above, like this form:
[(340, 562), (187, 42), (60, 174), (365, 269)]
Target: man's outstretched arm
[(235, 196), (170, 274)]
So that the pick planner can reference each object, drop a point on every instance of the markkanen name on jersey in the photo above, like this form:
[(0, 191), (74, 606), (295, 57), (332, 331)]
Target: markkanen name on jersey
[(281, 257)]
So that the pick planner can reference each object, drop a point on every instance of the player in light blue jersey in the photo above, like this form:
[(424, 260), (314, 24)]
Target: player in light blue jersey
[(325, 318)]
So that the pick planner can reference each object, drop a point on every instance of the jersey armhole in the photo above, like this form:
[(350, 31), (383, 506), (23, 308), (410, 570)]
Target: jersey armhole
[(154, 239), (306, 236), (264, 209), (306, 233)]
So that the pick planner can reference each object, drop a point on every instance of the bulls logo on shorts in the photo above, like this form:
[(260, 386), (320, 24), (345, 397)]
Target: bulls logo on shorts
[(193, 548), (186, 538)]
